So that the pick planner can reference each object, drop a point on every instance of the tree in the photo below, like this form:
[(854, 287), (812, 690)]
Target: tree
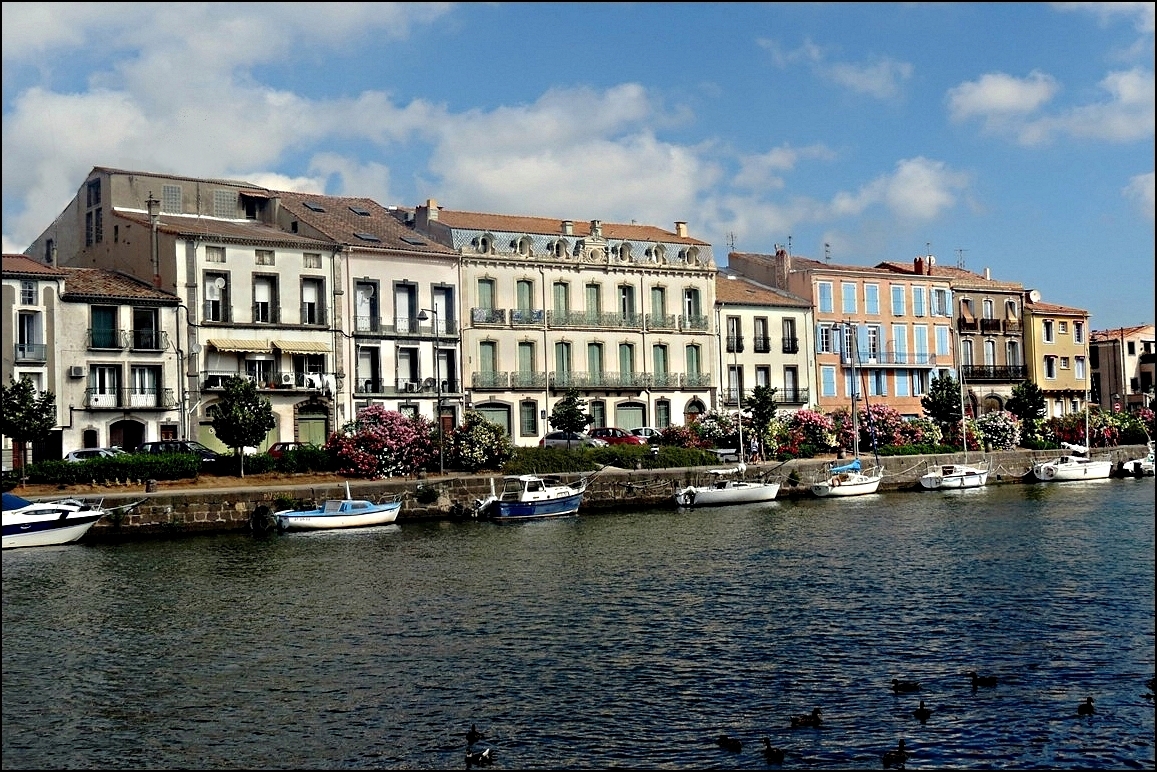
[(240, 417), (761, 403), (27, 415), (942, 402), (569, 414), (382, 443), (1028, 404), (479, 444)]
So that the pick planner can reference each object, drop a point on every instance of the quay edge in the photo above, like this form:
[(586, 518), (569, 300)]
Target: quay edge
[(200, 511)]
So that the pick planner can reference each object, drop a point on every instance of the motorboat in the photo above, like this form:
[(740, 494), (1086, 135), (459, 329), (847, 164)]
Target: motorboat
[(531, 497), (728, 487), (46, 523), (339, 513), (1073, 466), (955, 476), (848, 480), (1141, 466)]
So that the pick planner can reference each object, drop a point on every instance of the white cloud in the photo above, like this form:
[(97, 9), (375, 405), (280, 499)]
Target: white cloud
[(919, 189), (997, 96), (760, 171), (882, 78), (1140, 13), (1140, 192)]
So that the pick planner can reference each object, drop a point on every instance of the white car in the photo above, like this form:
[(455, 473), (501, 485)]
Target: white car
[(648, 434), (86, 453)]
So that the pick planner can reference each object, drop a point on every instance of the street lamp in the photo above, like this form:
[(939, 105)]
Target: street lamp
[(422, 316), (154, 209)]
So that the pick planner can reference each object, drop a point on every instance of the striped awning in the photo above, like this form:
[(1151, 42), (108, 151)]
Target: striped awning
[(240, 345), (301, 346)]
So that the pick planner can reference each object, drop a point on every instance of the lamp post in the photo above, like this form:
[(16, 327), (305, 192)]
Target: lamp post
[(154, 209), (422, 316)]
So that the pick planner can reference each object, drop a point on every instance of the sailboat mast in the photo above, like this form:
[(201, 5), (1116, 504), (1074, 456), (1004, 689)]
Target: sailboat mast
[(855, 388)]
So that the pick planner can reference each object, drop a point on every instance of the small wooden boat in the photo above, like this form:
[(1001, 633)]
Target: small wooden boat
[(531, 497), (339, 513), (46, 523)]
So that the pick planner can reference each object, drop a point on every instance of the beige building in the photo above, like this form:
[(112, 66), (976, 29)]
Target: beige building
[(1122, 362), (622, 312), (1057, 353), (103, 343), (893, 329), (765, 340)]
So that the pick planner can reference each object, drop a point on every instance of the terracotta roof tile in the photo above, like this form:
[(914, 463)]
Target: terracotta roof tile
[(1121, 332), (340, 220), (953, 274), (23, 264), (82, 283), (550, 226), (1053, 308), (730, 287)]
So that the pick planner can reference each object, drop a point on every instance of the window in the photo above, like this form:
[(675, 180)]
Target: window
[(594, 301), (872, 299), (848, 291), (1131, 348), (877, 383), (561, 293), (662, 414), (942, 341), (92, 194), (626, 359), (1079, 368), (919, 382), (825, 293), (311, 260), (790, 341), (214, 254), (920, 333), (598, 412), (694, 365), (1010, 310), (941, 302), (29, 340), (264, 257), (366, 317), (312, 310), (692, 307), (528, 418), (902, 382), (104, 327), (146, 332), (524, 295), (368, 370), (1047, 330), (265, 304), (595, 361), (828, 381), (224, 204), (486, 294), (1014, 353), (874, 335), (989, 353), (659, 302), (900, 344), (145, 388), (659, 363), (1050, 367), (898, 300), (762, 375), (171, 200), (734, 335), (217, 308), (28, 292), (104, 386), (1079, 333), (562, 358), (1063, 327), (918, 301), (627, 303), (1064, 363), (987, 309), (966, 353)]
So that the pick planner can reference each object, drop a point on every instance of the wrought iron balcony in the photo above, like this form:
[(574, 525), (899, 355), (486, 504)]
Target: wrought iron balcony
[(136, 398), (31, 352), (527, 316), (662, 322), (967, 324), (600, 320), (150, 340), (697, 323), (734, 344), (891, 359), (696, 380), (797, 396), (791, 345), (994, 372), (991, 326), (761, 344), (368, 324), (488, 315), (490, 380), (103, 338), (521, 380)]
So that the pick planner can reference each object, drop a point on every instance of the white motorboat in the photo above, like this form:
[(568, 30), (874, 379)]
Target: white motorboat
[(729, 487), (531, 497), (1141, 466), (339, 513), (1075, 466), (957, 476), (46, 523)]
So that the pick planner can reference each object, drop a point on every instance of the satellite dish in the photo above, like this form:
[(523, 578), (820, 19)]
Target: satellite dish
[(219, 282), (195, 348), (1034, 295), (368, 290)]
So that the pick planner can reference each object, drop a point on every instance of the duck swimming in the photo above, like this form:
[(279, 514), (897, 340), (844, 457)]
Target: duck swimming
[(773, 755), (1086, 707), (728, 743), (473, 735), (807, 719), (978, 680), (481, 758), (897, 757), (905, 686), (922, 713)]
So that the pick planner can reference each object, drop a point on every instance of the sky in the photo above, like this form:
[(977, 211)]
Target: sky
[(1012, 136)]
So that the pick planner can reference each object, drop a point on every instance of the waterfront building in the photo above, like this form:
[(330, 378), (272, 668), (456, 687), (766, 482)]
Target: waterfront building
[(1122, 362), (764, 340), (988, 332), (622, 312), (897, 326), (1057, 351), (103, 343)]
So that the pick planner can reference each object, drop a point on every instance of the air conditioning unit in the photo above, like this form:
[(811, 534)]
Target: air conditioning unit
[(411, 386), (76, 371), (287, 379)]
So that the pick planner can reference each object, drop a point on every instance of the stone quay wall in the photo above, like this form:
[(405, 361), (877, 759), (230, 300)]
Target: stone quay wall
[(453, 496)]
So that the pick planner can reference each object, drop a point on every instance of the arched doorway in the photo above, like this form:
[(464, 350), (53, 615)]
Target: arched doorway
[(993, 403), (127, 434), (694, 409)]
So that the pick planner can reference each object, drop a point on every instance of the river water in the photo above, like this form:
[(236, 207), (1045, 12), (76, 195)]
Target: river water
[(627, 640)]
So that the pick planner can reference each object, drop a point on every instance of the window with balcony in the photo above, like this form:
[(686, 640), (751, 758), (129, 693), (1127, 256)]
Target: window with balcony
[(406, 308), (30, 337), (626, 359), (312, 295), (734, 335), (692, 307), (659, 364), (562, 360), (105, 333), (659, 301), (407, 374), (524, 295), (560, 292), (259, 368), (368, 378), (874, 335), (627, 303), (693, 356), (762, 375), (366, 314), (265, 303), (987, 309), (594, 301), (595, 362), (217, 303), (761, 342), (1013, 353), (146, 386), (147, 333), (790, 340), (104, 386)]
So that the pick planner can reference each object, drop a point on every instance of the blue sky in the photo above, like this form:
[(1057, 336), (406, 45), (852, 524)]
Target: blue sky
[(1017, 137)]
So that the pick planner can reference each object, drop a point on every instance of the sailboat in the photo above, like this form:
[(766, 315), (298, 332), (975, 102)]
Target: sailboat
[(956, 476), (1077, 465), (850, 479), (728, 487)]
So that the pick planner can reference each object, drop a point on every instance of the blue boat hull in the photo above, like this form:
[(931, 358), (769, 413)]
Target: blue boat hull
[(509, 511)]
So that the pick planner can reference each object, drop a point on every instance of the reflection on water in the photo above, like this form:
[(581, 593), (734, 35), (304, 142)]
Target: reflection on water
[(628, 640)]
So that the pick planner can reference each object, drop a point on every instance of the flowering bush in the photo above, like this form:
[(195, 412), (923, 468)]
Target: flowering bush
[(381, 443), (952, 436), (1071, 429), (886, 421), (478, 444), (714, 426), (999, 429), (682, 437), (920, 431), (815, 429)]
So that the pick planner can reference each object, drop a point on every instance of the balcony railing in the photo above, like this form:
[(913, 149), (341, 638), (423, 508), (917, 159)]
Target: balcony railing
[(662, 322), (31, 352), (796, 396), (520, 380), (150, 340), (527, 316), (791, 345), (136, 398), (734, 344), (312, 314), (696, 323), (490, 380), (891, 359), (1013, 327), (696, 380), (600, 320), (991, 325), (761, 344), (967, 324), (488, 315), (994, 372), (103, 338)]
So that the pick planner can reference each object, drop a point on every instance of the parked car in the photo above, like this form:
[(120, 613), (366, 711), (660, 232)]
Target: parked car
[(613, 435), (279, 449), (86, 453), (180, 446), (571, 440), (648, 434)]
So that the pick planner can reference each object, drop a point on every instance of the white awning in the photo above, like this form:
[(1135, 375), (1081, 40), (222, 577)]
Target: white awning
[(240, 345), (301, 346)]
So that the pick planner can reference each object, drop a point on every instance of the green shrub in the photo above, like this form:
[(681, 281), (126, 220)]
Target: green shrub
[(549, 461), (167, 466), (230, 465), (311, 458), (1032, 444), (916, 450)]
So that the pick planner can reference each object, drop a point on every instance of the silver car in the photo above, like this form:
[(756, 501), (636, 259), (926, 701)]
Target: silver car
[(86, 453), (570, 440)]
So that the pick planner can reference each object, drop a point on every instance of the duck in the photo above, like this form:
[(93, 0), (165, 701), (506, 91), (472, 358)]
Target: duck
[(922, 713), (473, 735), (773, 755), (905, 686), (979, 680), (897, 757), (1086, 707), (807, 719), (728, 743), (482, 758)]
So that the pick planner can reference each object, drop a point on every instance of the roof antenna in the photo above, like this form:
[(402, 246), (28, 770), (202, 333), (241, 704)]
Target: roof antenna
[(731, 241), (827, 252), (789, 246), (960, 258), (927, 248)]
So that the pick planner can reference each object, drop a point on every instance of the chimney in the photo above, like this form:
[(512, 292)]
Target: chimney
[(681, 229), (931, 262), (918, 266), (431, 210), (568, 227), (987, 274)]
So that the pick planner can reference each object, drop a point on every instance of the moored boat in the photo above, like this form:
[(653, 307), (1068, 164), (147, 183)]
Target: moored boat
[(339, 513), (729, 487), (46, 523), (954, 477), (531, 497), (848, 480), (1141, 466), (1075, 466)]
